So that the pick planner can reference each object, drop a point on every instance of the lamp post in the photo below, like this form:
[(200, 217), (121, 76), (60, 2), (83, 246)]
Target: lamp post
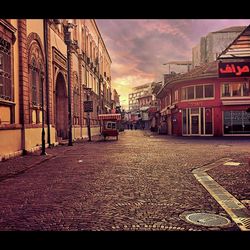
[(67, 38), (43, 131), (88, 91)]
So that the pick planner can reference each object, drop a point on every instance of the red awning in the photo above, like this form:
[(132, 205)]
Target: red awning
[(109, 117)]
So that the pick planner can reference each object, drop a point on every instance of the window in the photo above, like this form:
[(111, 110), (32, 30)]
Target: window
[(190, 92), (245, 89), (184, 93), (235, 89), (76, 100), (5, 71), (209, 91), (197, 92), (176, 95), (225, 90), (36, 81), (236, 122)]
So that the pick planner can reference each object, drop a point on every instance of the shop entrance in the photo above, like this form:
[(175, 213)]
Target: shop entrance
[(197, 121), (195, 124)]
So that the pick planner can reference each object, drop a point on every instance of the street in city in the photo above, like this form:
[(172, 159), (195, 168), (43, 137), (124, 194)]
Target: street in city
[(141, 182)]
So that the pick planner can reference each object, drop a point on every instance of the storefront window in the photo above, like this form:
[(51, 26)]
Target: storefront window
[(208, 121), (236, 122), (184, 121)]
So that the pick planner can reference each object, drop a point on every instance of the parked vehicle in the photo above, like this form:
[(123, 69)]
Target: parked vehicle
[(110, 125)]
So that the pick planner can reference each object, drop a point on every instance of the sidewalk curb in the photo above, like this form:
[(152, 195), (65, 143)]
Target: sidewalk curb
[(12, 175), (234, 208)]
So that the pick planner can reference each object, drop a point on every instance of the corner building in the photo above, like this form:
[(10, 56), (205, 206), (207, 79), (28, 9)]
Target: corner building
[(200, 103)]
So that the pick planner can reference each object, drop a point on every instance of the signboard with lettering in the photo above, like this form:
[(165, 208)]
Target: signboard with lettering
[(88, 106), (234, 69)]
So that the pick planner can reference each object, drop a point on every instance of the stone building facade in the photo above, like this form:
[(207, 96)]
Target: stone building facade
[(34, 81)]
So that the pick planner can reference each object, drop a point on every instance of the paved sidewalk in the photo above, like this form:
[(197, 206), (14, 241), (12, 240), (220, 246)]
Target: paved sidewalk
[(18, 165), (235, 178)]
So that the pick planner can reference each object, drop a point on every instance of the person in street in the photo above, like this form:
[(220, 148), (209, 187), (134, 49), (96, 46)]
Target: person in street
[(131, 126)]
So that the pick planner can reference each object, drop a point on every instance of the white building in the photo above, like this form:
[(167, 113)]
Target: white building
[(213, 44)]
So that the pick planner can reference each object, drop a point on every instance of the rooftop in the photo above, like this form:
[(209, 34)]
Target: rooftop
[(203, 71), (231, 29)]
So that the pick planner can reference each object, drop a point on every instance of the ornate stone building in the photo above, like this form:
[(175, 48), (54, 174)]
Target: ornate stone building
[(34, 81)]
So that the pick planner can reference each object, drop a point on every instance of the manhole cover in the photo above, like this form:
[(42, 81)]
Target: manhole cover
[(207, 219)]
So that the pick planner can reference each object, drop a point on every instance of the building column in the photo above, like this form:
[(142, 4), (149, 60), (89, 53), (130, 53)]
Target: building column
[(23, 79)]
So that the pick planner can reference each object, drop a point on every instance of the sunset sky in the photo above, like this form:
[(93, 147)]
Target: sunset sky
[(139, 47)]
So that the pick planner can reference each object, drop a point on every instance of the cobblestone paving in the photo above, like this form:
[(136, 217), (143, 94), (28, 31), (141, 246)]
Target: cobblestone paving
[(141, 182)]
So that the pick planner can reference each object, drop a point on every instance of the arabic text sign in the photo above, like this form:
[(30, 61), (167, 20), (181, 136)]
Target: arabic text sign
[(234, 69), (88, 106)]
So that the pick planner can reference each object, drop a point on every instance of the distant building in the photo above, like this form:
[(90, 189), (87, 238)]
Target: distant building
[(213, 44), (115, 100), (143, 104), (139, 91)]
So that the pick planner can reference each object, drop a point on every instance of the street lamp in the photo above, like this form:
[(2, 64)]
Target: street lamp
[(88, 91), (43, 131), (67, 38)]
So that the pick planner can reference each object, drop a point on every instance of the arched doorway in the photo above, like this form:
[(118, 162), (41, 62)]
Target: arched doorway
[(61, 108)]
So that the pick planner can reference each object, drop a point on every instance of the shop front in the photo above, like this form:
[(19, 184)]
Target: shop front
[(197, 121)]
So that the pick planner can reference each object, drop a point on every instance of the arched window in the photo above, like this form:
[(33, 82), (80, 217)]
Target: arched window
[(76, 100), (36, 80)]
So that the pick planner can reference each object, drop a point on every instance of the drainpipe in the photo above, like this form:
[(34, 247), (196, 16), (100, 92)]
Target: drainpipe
[(45, 25)]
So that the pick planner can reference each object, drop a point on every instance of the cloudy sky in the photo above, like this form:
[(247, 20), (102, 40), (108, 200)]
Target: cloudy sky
[(139, 47)]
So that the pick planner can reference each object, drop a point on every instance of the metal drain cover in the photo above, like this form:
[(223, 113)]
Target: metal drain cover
[(207, 219)]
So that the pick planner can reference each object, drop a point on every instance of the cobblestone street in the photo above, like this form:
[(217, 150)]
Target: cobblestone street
[(143, 181)]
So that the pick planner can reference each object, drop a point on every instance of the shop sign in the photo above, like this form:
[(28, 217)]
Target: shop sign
[(88, 106), (234, 69)]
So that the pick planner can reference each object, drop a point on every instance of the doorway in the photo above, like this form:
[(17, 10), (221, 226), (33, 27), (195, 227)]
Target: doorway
[(61, 112), (195, 125)]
